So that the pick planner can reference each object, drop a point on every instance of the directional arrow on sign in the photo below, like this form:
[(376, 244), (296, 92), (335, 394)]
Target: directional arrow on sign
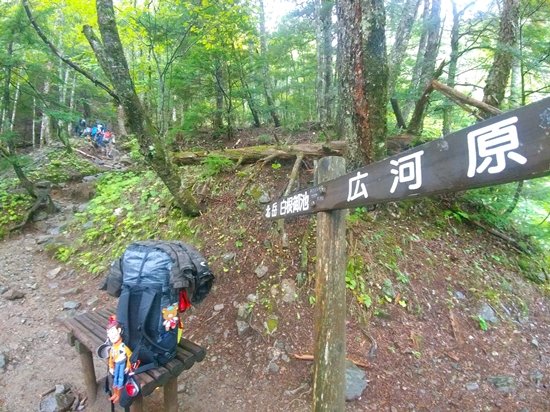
[(506, 148)]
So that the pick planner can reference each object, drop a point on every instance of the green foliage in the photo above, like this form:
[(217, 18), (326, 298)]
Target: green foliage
[(214, 164), (357, 215), (14, 203), (482, 323), (355, 281), (60, 166), (127, 207), (528, 222)]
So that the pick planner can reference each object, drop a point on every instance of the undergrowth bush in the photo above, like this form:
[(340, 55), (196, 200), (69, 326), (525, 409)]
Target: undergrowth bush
[(528, 222), (127, 207), (14, 203)]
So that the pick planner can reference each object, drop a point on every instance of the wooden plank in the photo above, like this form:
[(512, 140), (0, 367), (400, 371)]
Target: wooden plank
[(330, 301), (93, 327), (82, 334), (506, 148), (160, 374), (171, 395), (175, 367), (195, 349), (185, 357), (146, 383)]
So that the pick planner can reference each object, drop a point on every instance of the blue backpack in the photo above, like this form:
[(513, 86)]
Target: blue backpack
[(153, 279)]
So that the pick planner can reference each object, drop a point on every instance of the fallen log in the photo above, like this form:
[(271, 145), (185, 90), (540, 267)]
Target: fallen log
[(254, 154)]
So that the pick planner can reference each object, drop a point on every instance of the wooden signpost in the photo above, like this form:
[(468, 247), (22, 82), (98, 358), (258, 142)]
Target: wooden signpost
[(509, 147)]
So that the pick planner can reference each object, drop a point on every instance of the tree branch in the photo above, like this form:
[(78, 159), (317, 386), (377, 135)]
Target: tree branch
[(65, 59)]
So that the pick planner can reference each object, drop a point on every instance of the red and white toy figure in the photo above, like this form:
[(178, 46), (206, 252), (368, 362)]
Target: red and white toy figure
[(119, 358)]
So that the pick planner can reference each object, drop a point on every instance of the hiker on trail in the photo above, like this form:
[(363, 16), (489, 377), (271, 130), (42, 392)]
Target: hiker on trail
[(79, 127), (119, 358)]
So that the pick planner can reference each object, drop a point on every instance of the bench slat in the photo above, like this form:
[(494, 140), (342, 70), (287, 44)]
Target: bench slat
[(83, 334), (195, 349)]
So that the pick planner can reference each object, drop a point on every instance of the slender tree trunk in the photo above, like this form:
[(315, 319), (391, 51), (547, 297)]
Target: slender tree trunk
[(323, 14), (515, 84), (247, 82), (432, 44), (15, 100), (34, 137), (70, 126), (453, 64), (218, 115), (45, 129), (6, 127), (265, 69), (417, 70), (497, 79), (152, 147), (402, 37), (375, 61)]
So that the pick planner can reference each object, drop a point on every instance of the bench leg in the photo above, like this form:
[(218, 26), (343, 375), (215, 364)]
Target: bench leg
[(171, 395), (87, 361), (137, 405)]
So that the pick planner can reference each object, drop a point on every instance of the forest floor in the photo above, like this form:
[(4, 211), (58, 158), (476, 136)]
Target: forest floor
[(421, 344)]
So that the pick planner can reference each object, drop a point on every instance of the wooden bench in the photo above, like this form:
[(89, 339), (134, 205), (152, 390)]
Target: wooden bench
[(87, 333)]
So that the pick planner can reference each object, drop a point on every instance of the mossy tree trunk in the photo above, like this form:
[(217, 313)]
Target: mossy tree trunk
[(111, 58)]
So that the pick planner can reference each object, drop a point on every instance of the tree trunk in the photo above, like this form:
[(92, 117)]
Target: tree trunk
[(265, 69), (45, 130), (70, 126), (352, 116), (218, 115), (323, 14), (497, 79), (402, 37), (414, 92), (15, 100), (453, 64), (515, 84), (417, 118), (152, 146), (375, 61), (432, 44), (120, 120), (6, 127)]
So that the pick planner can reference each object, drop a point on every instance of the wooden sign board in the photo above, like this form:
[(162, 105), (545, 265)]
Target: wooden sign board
[(506, 148)]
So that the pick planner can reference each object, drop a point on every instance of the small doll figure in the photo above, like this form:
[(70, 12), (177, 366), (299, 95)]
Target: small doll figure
[(119, 358), (170, 315)]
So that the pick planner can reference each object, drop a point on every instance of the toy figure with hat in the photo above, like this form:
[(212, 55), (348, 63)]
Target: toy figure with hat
[(119, 358)]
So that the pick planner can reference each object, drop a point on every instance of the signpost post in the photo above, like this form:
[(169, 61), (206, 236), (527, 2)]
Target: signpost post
[(506, 148)]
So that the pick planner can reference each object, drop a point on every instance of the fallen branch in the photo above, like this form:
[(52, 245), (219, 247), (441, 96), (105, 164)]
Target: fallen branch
[(461, 99), (454, 325), (502, 236), (256, 154), (310, 358), (89, 156)]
